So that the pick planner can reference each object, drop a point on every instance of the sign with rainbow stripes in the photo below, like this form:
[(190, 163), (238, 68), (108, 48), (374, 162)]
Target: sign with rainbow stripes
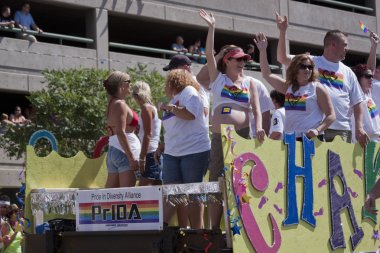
[(132, 208)]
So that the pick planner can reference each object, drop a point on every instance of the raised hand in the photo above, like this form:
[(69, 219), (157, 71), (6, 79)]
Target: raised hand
[(208, 17), (261, 41), (282, 22), (374, 38)]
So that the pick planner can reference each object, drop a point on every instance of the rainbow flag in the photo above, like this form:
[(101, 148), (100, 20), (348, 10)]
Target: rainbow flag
[(363, 27)]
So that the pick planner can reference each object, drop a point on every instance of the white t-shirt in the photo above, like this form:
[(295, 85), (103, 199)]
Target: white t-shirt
[(302, 111), (371, 119), (375, 92), (343, 88), (155, 138), (184, 137), (277, 122), (224, 91), (266, 103)]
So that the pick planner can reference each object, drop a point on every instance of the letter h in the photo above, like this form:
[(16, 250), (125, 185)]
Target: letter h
[(307, 173)]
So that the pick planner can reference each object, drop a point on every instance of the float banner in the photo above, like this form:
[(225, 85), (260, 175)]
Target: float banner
[(299, 196), (132, 208)]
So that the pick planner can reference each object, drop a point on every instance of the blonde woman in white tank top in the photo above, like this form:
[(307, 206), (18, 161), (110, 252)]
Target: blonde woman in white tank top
[(149, 134)]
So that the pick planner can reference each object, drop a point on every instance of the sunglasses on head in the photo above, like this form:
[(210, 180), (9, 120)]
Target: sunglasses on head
[(305, 66), (368, 76)]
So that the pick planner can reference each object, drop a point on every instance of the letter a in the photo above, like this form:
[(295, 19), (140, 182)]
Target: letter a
[(337, 203)]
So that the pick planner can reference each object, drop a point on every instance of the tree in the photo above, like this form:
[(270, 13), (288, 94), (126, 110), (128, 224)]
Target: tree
[(73, 107)]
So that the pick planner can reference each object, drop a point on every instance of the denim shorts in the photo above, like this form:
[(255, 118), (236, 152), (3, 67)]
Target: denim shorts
[(117, 161), (152, 169), (185, 169)]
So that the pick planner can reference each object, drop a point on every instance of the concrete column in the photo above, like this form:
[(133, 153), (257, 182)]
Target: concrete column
[(97, 28)]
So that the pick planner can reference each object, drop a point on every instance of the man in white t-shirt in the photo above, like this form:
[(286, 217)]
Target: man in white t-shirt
[(376, 85), (4, 204), (339, 80)]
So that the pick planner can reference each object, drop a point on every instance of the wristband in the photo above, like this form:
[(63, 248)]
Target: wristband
[(172, 109)]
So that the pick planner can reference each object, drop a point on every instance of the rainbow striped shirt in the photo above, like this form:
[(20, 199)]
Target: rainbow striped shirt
[(331, 79), (295, 103)]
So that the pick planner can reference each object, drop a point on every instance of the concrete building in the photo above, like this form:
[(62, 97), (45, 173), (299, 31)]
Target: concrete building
[(155, 24)]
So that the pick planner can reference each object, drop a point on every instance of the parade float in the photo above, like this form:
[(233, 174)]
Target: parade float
[(278, 196)]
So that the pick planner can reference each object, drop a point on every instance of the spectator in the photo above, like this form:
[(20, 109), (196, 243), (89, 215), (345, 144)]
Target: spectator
[(124, 146), (308, 108), (25, 21), (178, 45), (12, 231), (5, 18), (339, 80), (234, 96), (183, 62), (17, 117), (5, 202), (197, 49), (5, 122), (187, 143), (371, 118), (276, 131), (149, 134)]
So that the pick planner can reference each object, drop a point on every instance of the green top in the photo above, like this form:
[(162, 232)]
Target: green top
[(15, 246)]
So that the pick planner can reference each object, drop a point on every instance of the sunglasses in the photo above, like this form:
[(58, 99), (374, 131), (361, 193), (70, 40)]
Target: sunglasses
[(304, 66), (368, 76), (240, 59)]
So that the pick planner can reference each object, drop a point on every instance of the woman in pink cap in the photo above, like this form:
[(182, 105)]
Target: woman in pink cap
[(235, 96)]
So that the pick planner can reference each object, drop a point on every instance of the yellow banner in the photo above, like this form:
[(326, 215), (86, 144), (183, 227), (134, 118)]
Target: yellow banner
[(297, 196)]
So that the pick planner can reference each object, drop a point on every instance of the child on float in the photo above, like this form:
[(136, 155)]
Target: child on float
[(277, 123)]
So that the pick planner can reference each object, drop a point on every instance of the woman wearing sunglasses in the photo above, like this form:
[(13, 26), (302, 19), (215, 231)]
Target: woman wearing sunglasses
[(308, 107), (235, 96), (371, 118), (124, 146)]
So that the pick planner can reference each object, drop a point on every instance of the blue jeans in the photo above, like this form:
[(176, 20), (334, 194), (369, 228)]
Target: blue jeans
[(152, 169), (117, 161), (185, 169)]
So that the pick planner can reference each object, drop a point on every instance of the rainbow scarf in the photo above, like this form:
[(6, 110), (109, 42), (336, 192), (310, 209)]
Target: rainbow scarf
[(372, 109), (236, 94), (295, 103), (331, 79)]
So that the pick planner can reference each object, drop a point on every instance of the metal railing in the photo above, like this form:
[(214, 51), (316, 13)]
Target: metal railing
[(165, 52), (60, 37), (353, 7)]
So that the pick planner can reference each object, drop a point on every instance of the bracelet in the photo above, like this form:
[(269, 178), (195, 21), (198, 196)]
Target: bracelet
[(172, 109)]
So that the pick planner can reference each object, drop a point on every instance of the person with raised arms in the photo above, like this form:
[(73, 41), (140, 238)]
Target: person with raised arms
[(339, 80), (308, 108), (234, 97)]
